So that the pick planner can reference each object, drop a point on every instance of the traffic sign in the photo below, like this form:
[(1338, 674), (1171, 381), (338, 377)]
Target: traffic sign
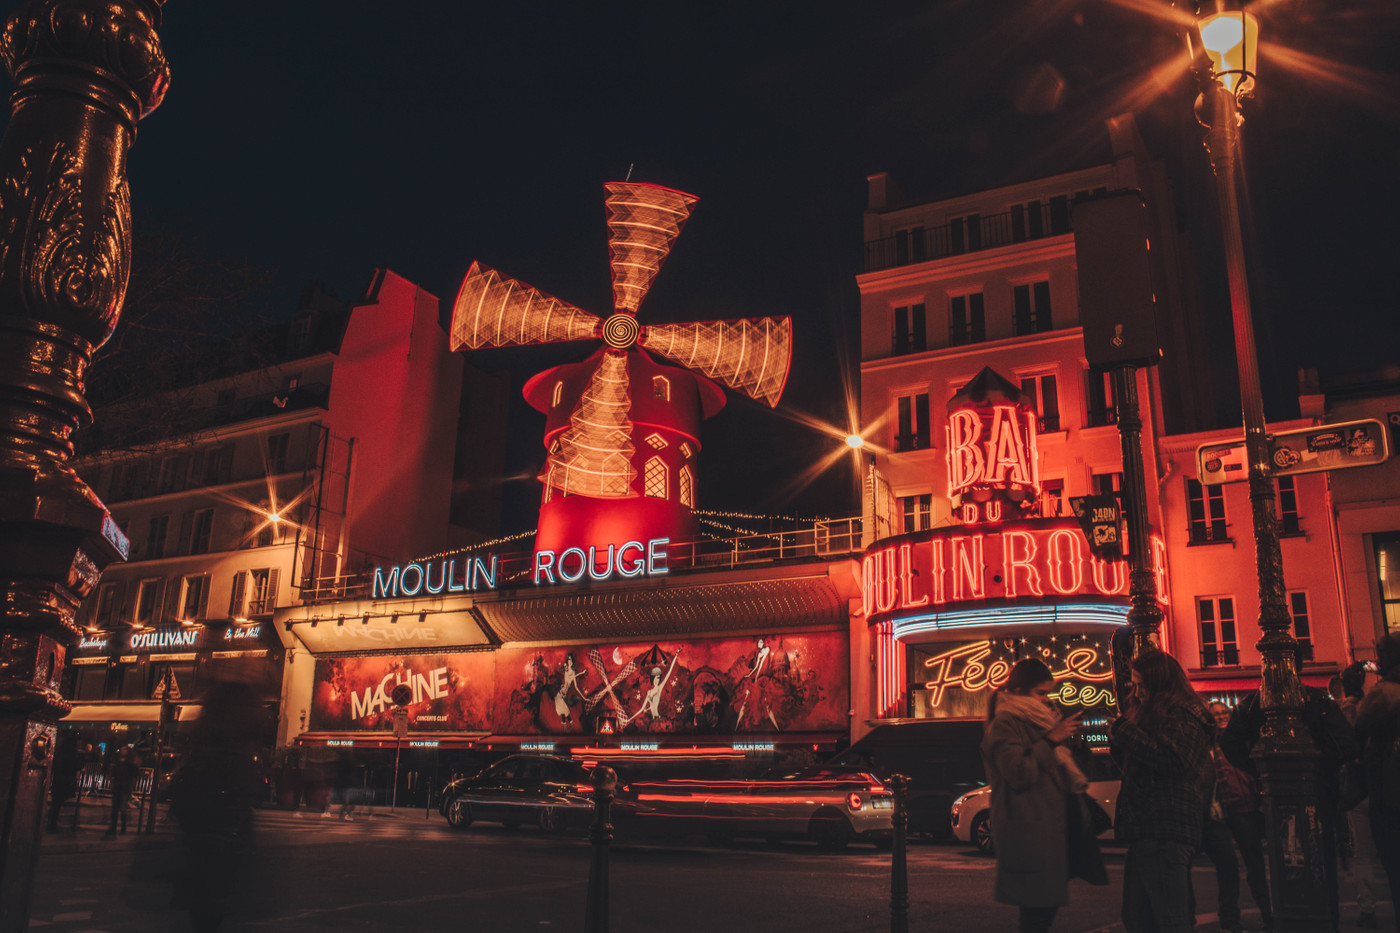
[(1305, 450), (1102, 522), (402, 694)]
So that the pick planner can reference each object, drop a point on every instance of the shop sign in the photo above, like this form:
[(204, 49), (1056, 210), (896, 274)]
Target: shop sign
[(92, 643), (1035, 558), (243, 633), (164, 640)]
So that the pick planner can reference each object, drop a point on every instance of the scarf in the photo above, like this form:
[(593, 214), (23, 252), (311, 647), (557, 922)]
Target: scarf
[(1038, 714)]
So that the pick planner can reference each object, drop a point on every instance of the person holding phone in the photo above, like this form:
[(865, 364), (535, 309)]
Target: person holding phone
[(1162, 740), (1039, 828)]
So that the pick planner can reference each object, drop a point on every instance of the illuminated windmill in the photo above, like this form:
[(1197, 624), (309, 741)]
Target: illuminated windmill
[(622, 429)]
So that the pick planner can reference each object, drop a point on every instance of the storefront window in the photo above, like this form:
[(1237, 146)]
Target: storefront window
[(1388, 575), (90, 684)]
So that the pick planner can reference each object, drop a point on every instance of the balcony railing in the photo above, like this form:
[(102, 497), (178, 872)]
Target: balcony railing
[(921, 244)]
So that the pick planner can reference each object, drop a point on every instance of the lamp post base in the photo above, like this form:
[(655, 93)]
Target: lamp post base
[(1302, 873)]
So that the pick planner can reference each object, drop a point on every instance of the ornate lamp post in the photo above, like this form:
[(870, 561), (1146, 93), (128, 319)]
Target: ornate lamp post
[(84, 73), (1286, 756)]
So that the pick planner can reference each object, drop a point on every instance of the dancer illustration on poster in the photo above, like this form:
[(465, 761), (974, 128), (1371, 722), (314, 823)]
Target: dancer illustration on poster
[(570, 678), (758, 689), (651, 703)]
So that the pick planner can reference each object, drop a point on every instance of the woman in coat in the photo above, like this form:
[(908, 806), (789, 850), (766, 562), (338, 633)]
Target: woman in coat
[(1163, 741), (1034, 784)]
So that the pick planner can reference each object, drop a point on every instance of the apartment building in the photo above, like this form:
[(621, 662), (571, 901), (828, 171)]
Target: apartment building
[(338, 448)]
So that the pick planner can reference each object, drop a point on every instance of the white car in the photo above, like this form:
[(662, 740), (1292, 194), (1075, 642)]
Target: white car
[(971, 814)]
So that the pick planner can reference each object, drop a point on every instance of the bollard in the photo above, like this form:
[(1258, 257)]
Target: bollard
[(899, 871), (599, 834)]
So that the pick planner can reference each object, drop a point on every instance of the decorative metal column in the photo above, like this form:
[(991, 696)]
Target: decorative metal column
[(899, 869), (84, 72), (1286, 757), (595, 918), (1144, 615)]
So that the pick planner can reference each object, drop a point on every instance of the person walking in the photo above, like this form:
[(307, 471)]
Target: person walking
[(1039, 827), (1359, 864), (1377, 730), (1162, 741), (122, 778), (63, 779), (1235, 820)]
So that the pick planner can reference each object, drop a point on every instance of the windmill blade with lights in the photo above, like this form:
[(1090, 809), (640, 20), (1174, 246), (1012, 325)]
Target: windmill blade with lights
[(596, 408)]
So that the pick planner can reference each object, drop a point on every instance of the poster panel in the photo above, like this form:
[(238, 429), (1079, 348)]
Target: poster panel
[(764, 684), (451, 692)]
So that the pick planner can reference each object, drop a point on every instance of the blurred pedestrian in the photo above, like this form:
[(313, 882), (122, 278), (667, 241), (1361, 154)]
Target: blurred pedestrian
[(212, 798), (63, 778), (1359, 861), (1235, 819), (1039, 827), (121, 778), (1377, 729), (1335, 741), (1162, 740)]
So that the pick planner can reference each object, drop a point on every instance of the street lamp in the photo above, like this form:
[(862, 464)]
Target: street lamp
[(1285, 754)]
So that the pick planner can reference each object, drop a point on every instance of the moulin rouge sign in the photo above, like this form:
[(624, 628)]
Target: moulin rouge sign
[(433, 578), (1032, 558)]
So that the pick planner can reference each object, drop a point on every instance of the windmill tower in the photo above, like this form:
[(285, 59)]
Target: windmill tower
[(622, 430)]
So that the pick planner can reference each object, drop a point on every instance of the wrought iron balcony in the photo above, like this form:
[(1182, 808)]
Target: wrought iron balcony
[(966, 235)]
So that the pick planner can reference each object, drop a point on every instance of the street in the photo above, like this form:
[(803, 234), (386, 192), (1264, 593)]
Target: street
[(402, 872)]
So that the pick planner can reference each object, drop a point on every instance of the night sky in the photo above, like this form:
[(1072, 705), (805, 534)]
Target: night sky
[(318, 141)]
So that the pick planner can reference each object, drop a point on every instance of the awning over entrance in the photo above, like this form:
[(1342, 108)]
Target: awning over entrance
[(128, 712), (668, 611)]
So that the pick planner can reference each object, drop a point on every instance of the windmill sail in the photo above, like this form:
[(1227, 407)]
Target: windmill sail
[(643, 222), (750, 356), (594, 456), (495, 311)]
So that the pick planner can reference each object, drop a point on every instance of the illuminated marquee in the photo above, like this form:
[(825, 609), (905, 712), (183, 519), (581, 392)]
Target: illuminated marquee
[(993, 463), (1033, 558), (632, 559), (414, 579)]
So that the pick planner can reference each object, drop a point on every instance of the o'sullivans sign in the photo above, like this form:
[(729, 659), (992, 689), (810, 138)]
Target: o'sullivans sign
[(475, 574)]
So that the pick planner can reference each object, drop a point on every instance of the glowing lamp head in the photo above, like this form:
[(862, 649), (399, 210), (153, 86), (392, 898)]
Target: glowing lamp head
[(1231, 41), (274, 518), (855, 441)]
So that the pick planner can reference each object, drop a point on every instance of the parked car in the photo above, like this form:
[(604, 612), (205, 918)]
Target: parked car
[(941, 758), (540, 790), (832, 806), (971, 813)]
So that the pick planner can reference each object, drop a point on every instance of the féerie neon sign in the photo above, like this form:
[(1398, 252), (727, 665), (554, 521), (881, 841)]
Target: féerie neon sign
[(966, 668)]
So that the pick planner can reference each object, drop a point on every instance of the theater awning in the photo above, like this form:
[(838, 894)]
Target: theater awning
[(128, 712), (675, 609)]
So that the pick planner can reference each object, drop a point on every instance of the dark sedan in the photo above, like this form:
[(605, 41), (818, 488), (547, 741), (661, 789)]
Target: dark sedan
[(539, 790)]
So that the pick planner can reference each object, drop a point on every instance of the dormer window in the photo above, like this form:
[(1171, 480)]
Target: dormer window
[(686, 482), (661, 386), (558, 394), (686, 450), (656, 441)]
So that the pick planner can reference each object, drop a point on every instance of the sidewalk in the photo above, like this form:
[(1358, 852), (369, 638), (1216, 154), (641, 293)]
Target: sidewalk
[(1209, 923)]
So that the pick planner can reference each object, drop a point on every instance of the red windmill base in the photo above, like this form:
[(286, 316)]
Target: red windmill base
[(622, 430)]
